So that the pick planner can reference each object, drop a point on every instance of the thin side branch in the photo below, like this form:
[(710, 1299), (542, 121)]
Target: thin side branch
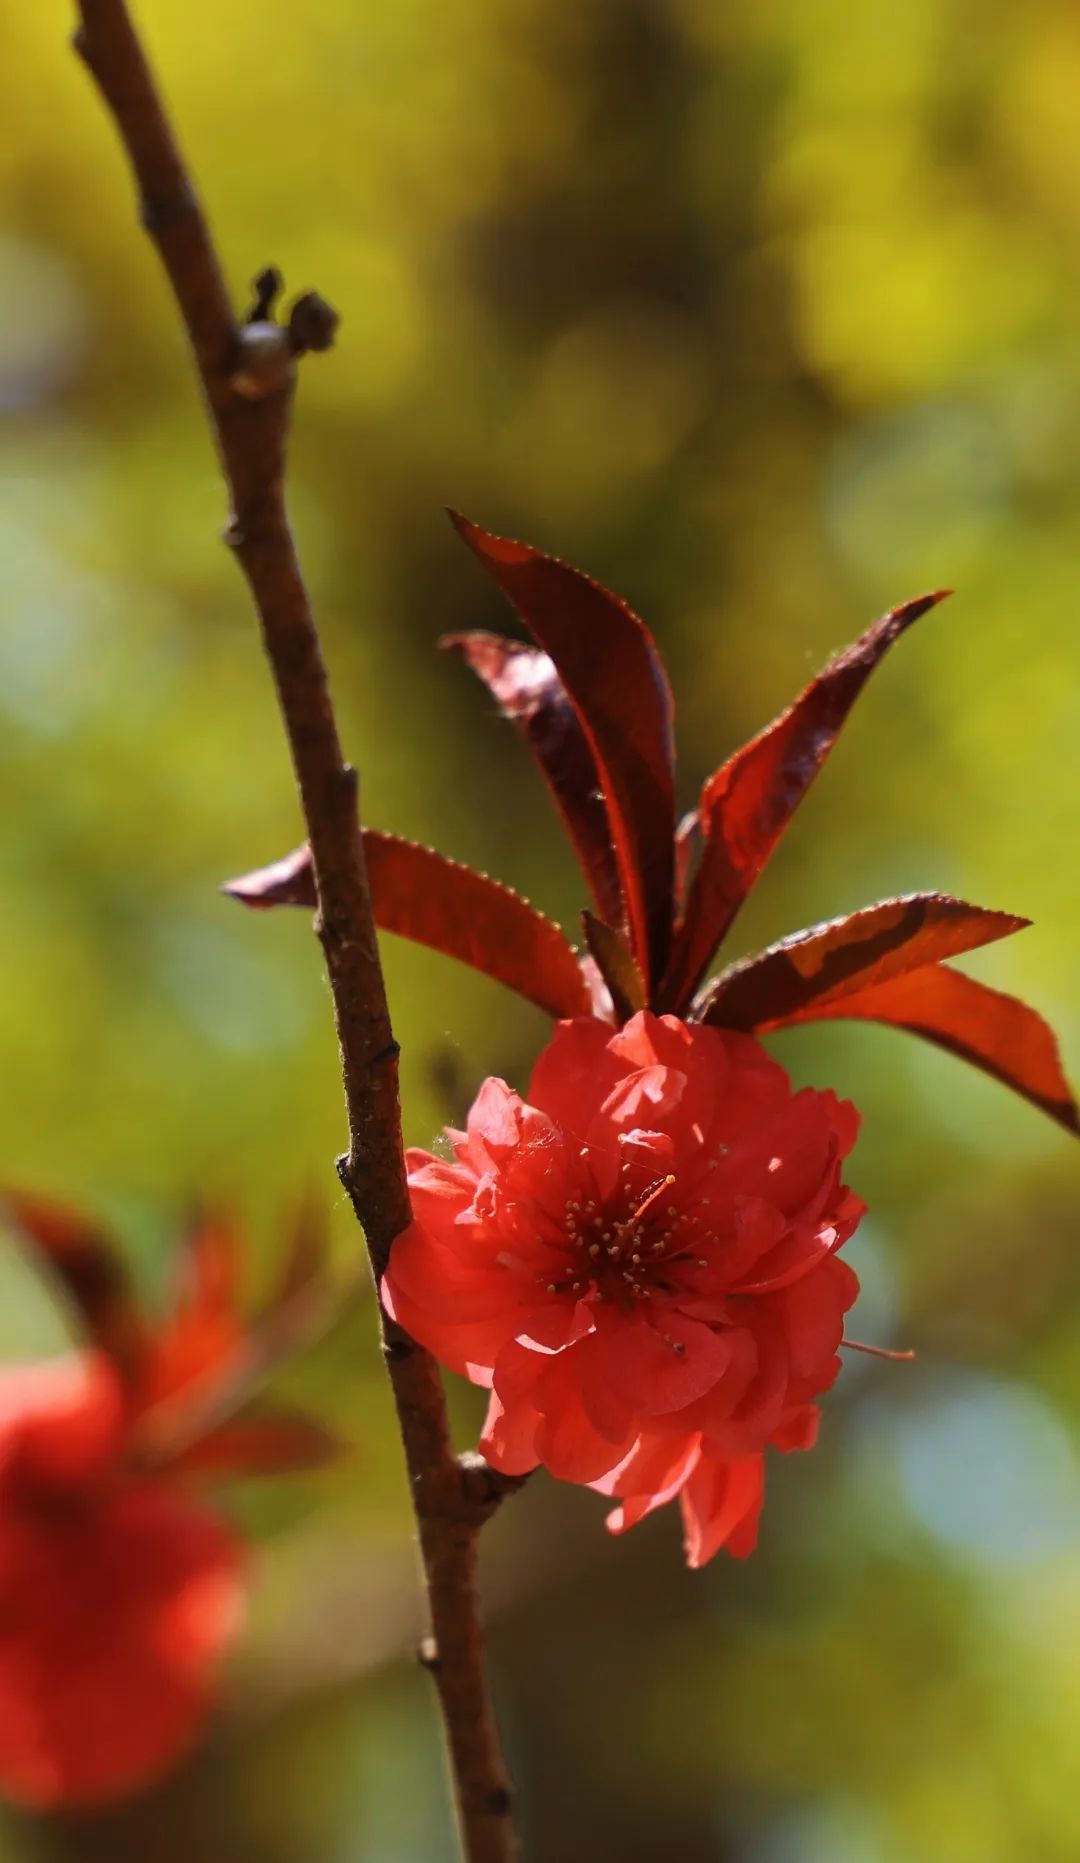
[(247, 372)]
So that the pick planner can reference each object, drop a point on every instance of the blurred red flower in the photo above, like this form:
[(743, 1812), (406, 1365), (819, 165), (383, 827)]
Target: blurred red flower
[(641, 1262), (120, 1590), (118, 1593)]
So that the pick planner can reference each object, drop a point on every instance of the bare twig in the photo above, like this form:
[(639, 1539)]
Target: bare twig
[(247, 374)]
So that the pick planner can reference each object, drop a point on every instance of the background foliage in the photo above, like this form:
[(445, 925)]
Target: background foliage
[(767, 315)]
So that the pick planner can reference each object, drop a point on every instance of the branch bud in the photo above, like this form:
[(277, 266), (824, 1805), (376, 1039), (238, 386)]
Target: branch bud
[(312, 323)]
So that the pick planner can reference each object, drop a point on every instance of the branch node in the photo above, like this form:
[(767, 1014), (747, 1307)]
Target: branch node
[(262, 362), (159, 214), (484, 1487), (343, 1167), (427, 1654)]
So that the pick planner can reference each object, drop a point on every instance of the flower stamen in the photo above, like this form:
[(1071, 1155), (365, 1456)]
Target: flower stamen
[(650, 1197), (871, 1351)]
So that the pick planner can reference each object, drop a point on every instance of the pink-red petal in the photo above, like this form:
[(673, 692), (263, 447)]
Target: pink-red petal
[(112, 1622), (721, 1504)]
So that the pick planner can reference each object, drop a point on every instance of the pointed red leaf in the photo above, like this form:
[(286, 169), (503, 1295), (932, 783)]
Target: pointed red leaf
[(688, 845), (209, 1266), (304, 1258), (600, 1003), (85, 1258), (205, 1328), (289, 881), (615, 961), (422, 895), (829, 963), (272, 1442), (439, 902), (993, 1031), (529, 692), (608, 663), (746, 806)]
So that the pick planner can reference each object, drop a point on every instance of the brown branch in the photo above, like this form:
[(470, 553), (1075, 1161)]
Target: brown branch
[(247, 375)]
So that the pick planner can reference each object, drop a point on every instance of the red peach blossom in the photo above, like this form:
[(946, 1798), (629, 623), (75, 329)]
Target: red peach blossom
[(118, 1593), (119, 1589), (640, 1260)]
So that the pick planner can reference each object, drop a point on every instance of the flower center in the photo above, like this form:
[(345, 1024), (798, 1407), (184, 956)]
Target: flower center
[(625, 1253)]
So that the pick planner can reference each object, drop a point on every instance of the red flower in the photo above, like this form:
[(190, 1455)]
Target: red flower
[(120, 1590), (707, 1319), (118, 1593), (641, 1261)]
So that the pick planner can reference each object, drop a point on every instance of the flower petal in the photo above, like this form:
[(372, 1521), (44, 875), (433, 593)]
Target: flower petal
[(508, 1436), (813, 1315), (659, 1360), (721, 1503), (575, 1072), (112, 1622), (567, 1443)]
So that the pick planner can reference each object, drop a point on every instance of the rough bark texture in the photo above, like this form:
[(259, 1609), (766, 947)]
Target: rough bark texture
[(247, 372)]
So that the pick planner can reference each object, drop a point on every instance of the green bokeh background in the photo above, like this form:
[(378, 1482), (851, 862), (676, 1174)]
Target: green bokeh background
[(767, 312)]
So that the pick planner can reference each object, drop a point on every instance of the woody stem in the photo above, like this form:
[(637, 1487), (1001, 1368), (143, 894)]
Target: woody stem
[(248, 390)]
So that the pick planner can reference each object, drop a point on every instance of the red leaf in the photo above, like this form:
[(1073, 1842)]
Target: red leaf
[(205, 1329), (991, 1030), (85, 1258), (688, 843), (451, 908), (289, 881), (746, 806), (615, 962), (829, 963), (529, 692), (276, 1442), (608, 663), (304, 1259), (438, 902), (600, 1003), (209, 1267)]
